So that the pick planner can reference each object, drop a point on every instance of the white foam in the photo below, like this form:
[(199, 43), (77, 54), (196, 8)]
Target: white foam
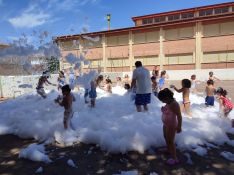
[(71, 163), (114, 124), (227, 155), (39, 170), (35, 152), (134, 172)]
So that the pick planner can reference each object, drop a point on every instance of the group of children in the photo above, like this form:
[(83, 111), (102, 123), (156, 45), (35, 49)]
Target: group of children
[(171, 112)]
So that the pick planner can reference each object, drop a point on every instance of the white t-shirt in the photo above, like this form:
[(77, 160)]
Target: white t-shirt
[(143, 81)]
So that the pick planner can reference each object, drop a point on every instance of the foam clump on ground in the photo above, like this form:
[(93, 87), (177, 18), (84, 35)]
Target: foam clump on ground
[(114, 124), (35, 152)]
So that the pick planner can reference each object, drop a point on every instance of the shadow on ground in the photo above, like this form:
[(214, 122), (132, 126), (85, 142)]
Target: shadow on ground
[(90, 159)]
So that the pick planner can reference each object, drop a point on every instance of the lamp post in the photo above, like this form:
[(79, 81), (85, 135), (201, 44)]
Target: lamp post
[(108, 20)]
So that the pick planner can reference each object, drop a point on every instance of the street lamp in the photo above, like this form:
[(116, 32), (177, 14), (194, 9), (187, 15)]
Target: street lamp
[(108, 20)]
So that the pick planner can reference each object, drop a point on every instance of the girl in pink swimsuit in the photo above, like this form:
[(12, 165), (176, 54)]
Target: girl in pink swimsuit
[(172, 121), (225, 104)]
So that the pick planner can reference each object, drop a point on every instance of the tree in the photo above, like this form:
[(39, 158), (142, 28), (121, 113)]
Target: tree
[(52, 64)]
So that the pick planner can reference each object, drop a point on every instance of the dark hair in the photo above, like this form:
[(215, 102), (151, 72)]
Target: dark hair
[(221, 91), (163, 73), (108, 80), (138, 64), (100, 77), (66, 88), (210, 82), (165, 93), (127, 86), (193, 76), (211, 73), (153, 78), (61, 72), (186, 83)]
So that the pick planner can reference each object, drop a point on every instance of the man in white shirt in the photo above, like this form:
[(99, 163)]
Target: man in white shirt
[(142, 82)]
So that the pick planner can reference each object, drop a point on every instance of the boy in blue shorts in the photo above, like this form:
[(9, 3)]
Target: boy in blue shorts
[(210, 91)]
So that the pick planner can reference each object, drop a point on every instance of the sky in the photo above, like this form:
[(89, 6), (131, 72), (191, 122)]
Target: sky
[(68, 17)]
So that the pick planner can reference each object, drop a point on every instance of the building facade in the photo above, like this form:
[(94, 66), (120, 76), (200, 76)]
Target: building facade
[(189, 39)]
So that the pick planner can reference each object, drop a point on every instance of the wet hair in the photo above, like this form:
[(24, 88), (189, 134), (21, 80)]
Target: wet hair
[(66, 88), (126, 76), (138, 64), (100, 77), (61, 72), (193, 77), (210, 82), (163, 73), (127, 86), (186, 83), (211, 73), (153, 78), (221, 91), (108, 80), (165, 93)]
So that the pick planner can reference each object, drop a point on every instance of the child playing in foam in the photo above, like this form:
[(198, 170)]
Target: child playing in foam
[(154, 86), (186, 84), (92, 92), (163, 77), (210, 90), (172, 121), (225, 104), (66, 102), (108, 86), (119, 81), (212, 77), (194, 83), (40, 86)]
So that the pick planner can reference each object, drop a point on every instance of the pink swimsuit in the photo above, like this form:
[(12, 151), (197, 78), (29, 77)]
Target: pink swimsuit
[(226, 102), (169, 118)]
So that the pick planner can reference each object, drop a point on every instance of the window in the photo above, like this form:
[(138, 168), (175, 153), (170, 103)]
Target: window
[(173, 17), (221, 10), (233, 9), (206, 12), (159, 19), (187, 15), (147, 21)]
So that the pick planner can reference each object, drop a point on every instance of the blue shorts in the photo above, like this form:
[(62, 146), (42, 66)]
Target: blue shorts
[(92, 93), (142, 99), (210, 101)]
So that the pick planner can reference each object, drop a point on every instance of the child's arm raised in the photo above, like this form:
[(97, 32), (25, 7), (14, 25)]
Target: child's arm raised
[(177, 90)]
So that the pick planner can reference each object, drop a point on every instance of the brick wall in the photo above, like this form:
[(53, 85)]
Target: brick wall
[(219, 43), (179, 46), (146, 49)]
